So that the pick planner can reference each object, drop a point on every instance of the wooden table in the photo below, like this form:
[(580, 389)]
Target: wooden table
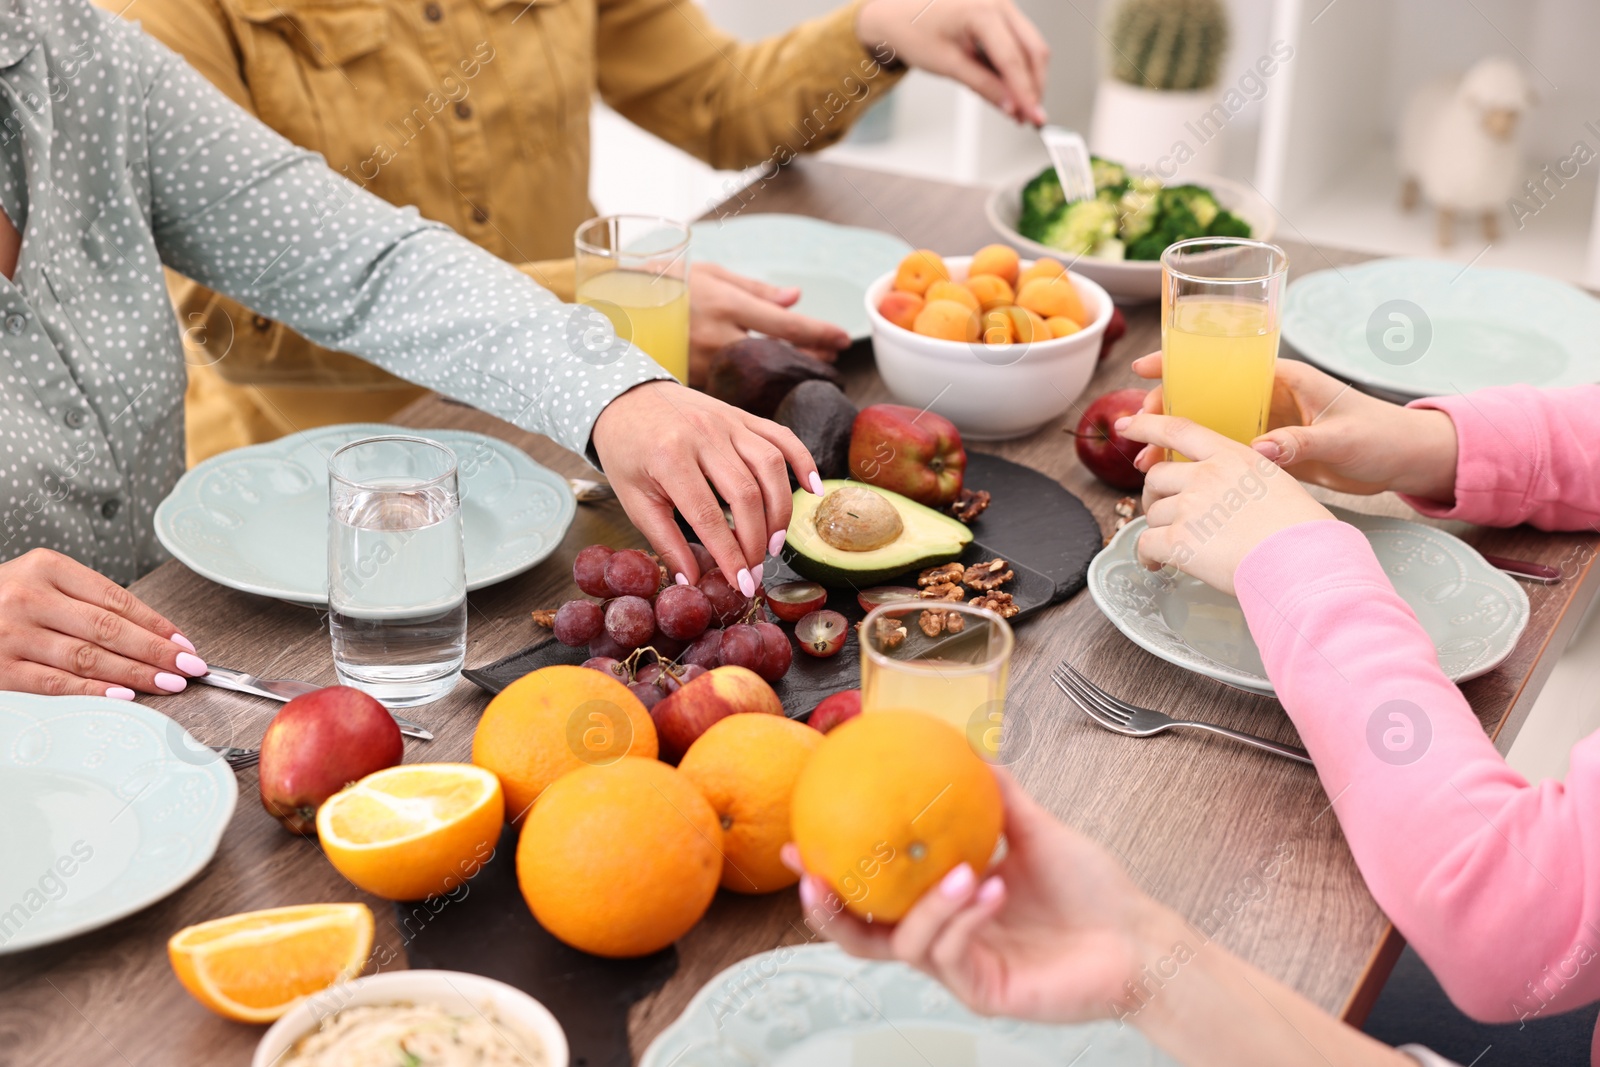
[(1195, 820)]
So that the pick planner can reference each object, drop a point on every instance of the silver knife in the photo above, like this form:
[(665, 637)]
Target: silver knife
[(286, 689)]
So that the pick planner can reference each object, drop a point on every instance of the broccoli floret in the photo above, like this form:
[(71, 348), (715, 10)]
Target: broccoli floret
[(1110, 249), (1198, 200), (1139, 211), (1175, 223), (1108, 176), (1081, 226), (1227, 224), (1150, 246), (1041, 199)]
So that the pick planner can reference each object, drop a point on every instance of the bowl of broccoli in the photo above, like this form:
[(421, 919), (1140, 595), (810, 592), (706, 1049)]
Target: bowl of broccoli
[(1117, 237)]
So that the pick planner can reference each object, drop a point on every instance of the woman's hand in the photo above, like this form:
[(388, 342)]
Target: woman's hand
[(1205, 516), (64, 629), (724, 307), (1053, 934), (1329, 433), (988, 45), (664, 446)]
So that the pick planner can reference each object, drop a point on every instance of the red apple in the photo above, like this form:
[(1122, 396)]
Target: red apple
[(1114, 331), (686, 714), (1107, 454), (836, 709), (319, 743), (908, 451)]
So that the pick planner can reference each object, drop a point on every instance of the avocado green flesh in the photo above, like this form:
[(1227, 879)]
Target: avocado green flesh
[(928, 538)]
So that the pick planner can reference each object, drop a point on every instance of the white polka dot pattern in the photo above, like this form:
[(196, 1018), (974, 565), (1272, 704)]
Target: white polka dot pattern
[(130, 160)]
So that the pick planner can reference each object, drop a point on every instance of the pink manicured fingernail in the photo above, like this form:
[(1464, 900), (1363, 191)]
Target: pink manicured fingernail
[(816, 483), (957, 883), (775, 545), (990, 890), (120, 692), (808, 893), (170, 683), (1122, 423), (191, 664), (1269, 449), (680, 579), (183, 642), (747, 584)]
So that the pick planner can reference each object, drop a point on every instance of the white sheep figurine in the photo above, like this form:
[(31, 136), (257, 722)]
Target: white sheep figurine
[(1458, 144)]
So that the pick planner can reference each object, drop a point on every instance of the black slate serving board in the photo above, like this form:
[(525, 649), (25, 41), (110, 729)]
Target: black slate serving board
[(1045, 533)]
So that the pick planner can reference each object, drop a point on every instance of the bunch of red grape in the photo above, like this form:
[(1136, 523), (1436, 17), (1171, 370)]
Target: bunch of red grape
[(691, 628)]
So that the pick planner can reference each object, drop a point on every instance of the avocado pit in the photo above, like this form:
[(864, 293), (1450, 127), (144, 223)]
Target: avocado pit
[(853, 519)]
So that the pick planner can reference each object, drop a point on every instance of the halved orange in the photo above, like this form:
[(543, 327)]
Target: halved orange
[(253, 966), (413, 831)]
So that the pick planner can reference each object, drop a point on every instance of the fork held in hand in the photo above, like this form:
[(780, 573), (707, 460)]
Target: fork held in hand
[(1130, 719)]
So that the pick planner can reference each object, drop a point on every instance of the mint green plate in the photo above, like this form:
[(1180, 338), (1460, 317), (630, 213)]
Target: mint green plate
[(1473, 613), (108, 807), (1421, 327), (831, 264), (814, 1006), (256, 519)]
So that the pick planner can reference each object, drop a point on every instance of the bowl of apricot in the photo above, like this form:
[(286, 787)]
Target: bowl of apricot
[(997, 344)]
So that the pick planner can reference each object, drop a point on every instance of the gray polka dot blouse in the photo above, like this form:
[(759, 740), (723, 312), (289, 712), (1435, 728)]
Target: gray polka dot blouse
[(116, 158)]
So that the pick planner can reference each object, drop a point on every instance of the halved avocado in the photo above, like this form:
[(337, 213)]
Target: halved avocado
[(926, 538)]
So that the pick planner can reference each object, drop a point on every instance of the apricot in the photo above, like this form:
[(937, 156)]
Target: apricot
[(992, 291), (1050, 297), (953, 291), (998, 328), (1023, 326), (919, 270), (900, 308), (1044, 267), (1041, 328), (948, 321), (995, 261), (1061, 326)]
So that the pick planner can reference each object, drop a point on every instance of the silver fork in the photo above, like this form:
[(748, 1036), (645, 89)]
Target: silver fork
[(238, 758), (1130, 719)]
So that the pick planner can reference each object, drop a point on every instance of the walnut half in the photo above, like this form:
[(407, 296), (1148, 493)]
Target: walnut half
[(990, 575), (544, 617), (944, 591), (1000, 603), (943, 574), (935, 621), (889, 631), (970, 504)]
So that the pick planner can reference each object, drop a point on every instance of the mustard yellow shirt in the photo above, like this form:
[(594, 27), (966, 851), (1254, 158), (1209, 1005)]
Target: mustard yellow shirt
[(477, 113)]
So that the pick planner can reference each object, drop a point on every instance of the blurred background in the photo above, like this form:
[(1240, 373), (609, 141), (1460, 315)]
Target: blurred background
[(1318, 138)]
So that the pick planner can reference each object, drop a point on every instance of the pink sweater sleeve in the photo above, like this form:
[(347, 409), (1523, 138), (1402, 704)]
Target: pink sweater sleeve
[(1494, 881), (1525, 455)]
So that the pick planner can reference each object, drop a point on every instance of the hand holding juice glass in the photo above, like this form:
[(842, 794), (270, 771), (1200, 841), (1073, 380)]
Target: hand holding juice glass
[(1220, 304), (635, 269)]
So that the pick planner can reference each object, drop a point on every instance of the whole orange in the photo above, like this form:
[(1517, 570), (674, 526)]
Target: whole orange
[(889, 804), (746, 766), (620, 860), (555, 720)]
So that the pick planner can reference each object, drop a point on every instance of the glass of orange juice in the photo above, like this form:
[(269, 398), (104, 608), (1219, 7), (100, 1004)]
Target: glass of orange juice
[(958, 677), (1220, 302), (635, 269)]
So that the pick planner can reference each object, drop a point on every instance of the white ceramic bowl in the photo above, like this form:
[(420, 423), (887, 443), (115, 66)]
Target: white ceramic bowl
[(1128, 280), (455, 991), (990, 392)]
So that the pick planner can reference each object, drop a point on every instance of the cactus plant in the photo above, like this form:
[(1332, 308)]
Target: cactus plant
[(1168, 44)]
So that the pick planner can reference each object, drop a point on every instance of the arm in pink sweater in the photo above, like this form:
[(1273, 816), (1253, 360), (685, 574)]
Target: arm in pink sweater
[(1524, 455), (1495, 882)]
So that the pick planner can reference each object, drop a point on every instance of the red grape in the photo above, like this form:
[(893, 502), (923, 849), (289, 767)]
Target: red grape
[(578, 622), (649, 693), (742, 647), (650, 672), (706, 651), (682, 611), (632, 573), (607, 665), (589, 570), (793, 601), (822, 633), (727, 603), (776, 652), (667, 647), (886, 594), (703, 558), (604, 647), (672, 681), (630, 620)]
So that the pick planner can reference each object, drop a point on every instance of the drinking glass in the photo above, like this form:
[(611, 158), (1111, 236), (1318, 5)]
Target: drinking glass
[(960, 678), (397, 583), (635, 269), (1220, 303)]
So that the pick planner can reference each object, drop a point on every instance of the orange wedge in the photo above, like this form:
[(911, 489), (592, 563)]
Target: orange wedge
[(413, 831), (251, 967)]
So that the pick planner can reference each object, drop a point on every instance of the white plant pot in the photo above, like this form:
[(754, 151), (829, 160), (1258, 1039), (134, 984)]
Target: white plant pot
[(1167, 134)]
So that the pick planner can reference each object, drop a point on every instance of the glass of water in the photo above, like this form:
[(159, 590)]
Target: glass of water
[(397, 584)]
